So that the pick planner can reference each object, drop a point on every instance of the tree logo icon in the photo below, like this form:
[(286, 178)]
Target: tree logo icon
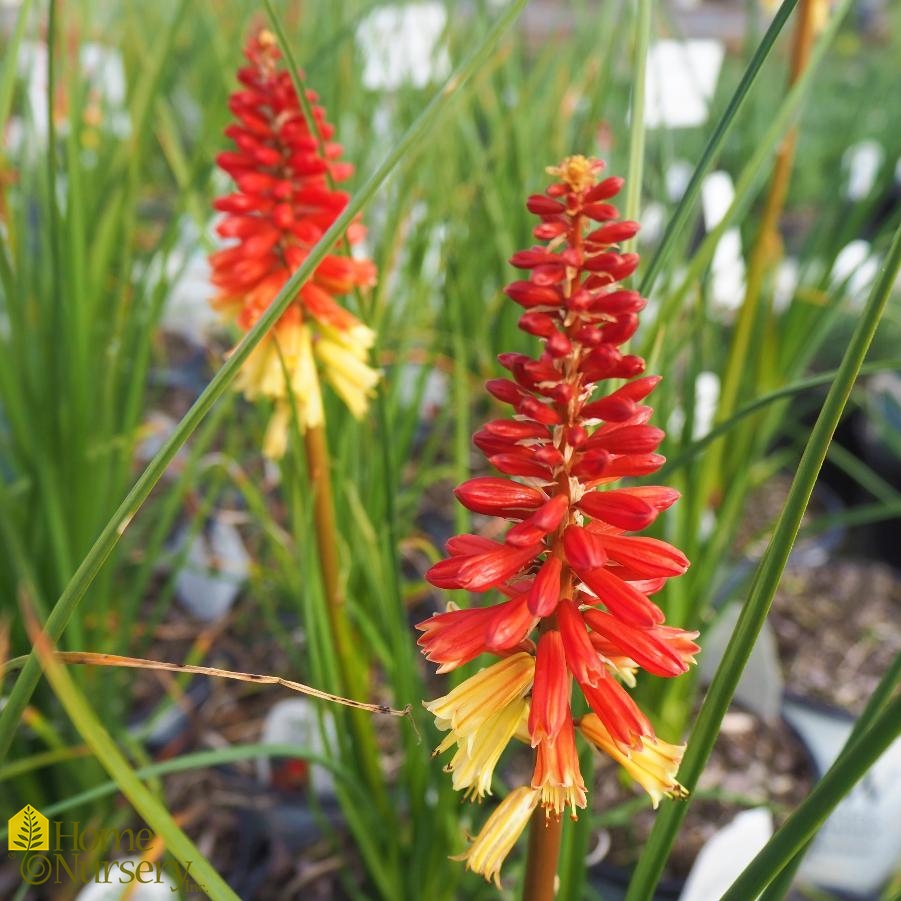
[(29, 831)]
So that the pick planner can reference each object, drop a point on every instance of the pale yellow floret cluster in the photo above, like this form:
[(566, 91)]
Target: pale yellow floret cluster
[(343, 358), (500, 833), (472, 766), (653, 766), (481, 716), (283, 368)]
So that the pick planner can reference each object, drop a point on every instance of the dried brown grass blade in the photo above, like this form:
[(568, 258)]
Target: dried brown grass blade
[(90, 659)]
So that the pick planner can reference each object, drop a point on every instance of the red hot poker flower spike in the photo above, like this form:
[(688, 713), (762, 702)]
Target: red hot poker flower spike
[(578, 580), (283, 205)]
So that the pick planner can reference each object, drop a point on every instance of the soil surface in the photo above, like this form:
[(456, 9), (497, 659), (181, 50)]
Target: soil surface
[(838, 628), (837, 620)]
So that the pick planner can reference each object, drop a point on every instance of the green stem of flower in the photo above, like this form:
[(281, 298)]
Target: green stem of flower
[(637, 128), (543, 854), (319, 470), (766, 248), (678, 224), (353, 681)]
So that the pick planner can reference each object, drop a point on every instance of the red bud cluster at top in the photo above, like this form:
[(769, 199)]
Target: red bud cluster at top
[(284, 202), (570, 566)]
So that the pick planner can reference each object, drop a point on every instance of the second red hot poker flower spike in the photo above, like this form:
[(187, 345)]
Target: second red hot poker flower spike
[(285, 170), (578, 582)]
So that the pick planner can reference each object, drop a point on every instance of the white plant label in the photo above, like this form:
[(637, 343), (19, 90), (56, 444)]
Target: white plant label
[(295, 721), (727, 853), (214, 573), (682, 77)]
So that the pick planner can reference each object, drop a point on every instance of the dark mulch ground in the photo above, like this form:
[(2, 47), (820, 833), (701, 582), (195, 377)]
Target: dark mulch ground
[(268, 840)]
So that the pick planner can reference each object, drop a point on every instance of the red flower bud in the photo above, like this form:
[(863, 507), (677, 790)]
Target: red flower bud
[(617, 711), (633, 465), (627, 508), (516, 465), (549, 274), (559, 345), (498, 497), (581, 658), (505, 390), (508, 624), (550, 691), (544, 206), (621, 330), (576, 436), (541, 412), (617, 302), (620, 598), (600, 212), (583, 549), (613, 233), (528, 294), (545, 591), (539, 324), (515, 429), (591, 465), (540, 523), (644, 646), (613, 408), (628, 439), (549, 230), (605, 189), (479, 572), (619, 508), (529, 259), (648, 556)]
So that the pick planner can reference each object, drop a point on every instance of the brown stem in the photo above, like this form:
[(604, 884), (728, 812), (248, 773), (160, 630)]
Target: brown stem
[(543, 854)]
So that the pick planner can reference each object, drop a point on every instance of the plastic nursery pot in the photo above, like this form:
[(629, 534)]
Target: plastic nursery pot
[(172, 731), (879, 428), (277, 836), (838, 630), (859, 847), (765, 764), (612, 882), (878, 431)]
